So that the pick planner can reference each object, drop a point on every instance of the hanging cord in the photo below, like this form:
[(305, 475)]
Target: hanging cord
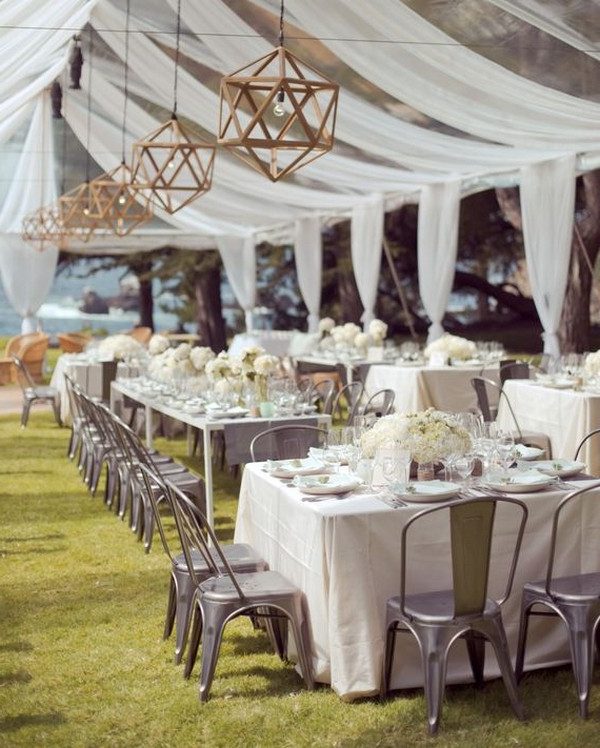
[(63, 171), (174, 115), (126, 81), (88, 126), (281, 12)]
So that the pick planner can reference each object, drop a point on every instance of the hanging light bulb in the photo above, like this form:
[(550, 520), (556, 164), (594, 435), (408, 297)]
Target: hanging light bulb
[(278, 109), (122, 200)]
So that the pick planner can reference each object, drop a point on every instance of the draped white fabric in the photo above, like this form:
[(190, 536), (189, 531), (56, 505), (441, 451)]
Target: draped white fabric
[(27, 275), (308, 255), (366, 240), (547, 206), (437, 241), (239, 258)]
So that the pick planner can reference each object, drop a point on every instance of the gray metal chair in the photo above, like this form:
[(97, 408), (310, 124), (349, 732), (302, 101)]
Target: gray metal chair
[(33, 392), (323, 393), (438, 619), (242, 558), (381, 403), (583, 442), (575, 599), (286, 442), (511, 369), (352, 394), (228, 594)]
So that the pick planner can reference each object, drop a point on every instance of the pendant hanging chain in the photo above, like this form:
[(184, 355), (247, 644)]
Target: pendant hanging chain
[(281, 12), (63, 166), (126, 81), (89, 107), (177, 59)]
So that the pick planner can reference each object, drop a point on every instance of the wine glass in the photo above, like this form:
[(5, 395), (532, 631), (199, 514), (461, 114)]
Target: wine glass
[(464, 465), (505, 448)]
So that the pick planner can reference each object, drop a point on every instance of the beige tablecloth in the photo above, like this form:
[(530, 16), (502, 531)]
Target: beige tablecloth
[(345, 556), (566, 416), (446, 388)]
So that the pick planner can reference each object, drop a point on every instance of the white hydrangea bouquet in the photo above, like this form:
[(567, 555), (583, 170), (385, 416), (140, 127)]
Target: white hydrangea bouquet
[(452, 346), (429, 435), (592, 364), (121, 348), (158, 344), (182, 361), (349, 338)]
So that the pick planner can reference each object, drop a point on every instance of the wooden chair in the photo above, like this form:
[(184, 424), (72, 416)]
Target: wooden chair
[(72, 342), (31, 349), (141, 334)]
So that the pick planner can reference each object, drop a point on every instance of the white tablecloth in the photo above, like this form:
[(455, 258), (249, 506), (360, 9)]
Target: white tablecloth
[(345, 556), (566, 416), (446, 388), (86, 374)]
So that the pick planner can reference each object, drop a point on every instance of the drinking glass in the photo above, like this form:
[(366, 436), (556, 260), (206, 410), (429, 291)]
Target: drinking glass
[(505, 448), (464, 465)]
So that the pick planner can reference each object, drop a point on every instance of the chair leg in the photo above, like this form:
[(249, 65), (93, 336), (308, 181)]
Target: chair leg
[(194, 642), (388, 661), (184, 606), (276, 629), (148, 528), (526, 606), (25, 413), (493, 629), (434, 641), (215, 617), (476, 650), (56, 409), (581, 639), (170, 614)]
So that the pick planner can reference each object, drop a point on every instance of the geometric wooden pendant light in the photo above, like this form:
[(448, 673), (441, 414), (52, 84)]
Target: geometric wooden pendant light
[(75, 213), (173, 168), (277, 113), (43, 228), (169, 163), (115, 204)]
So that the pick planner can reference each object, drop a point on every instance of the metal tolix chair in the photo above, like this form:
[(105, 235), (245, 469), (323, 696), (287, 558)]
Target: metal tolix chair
[(381, 403), (242, 558), (575, 599), (228, 594), (438, 619), (286, 442), (33, 392), (352, 393)]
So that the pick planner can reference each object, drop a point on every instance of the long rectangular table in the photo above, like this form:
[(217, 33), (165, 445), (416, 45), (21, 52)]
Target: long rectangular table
[(565, 415), (203, 423), (419, 387), (345, 556)]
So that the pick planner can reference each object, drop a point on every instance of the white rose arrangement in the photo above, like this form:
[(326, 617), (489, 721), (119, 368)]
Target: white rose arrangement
[(361, 342), (377, 331), (248, 358), (200, 356), (326, 325), (452, 346), (429, 435), (265, 365), (182, 352), (592, 364), (121, 347), (158, 344), (219, 367)]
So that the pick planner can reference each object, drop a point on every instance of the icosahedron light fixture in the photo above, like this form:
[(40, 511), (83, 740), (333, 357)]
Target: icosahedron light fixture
[(114, 202), (75, 212), (277, 113), (43, 228), (171, 167)]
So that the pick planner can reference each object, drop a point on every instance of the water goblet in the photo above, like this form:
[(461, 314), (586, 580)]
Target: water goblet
[(464, 465)]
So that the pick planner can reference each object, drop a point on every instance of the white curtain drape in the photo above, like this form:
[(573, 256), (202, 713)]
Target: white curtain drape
[(308, 255), (27, 275), (239, 258), (366, 241), (547, 207), (439, 209)]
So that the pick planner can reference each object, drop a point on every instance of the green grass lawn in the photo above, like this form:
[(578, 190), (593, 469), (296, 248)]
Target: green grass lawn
[(82, 662)]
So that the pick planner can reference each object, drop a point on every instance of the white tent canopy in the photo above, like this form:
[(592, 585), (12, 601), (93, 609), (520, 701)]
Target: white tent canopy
[(437, 100)]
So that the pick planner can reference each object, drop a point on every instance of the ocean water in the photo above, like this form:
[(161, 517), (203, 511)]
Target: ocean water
[(60, 313)]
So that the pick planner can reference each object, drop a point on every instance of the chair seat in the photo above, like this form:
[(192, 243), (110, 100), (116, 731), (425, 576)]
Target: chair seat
[(257, 585), (435, 607), (579, 587), (32, 393), (240, 556)]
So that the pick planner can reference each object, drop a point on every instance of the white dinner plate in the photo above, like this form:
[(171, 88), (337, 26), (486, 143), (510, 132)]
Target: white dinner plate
[(519, 481), (229, 413), (291, 468), (318, 485), (426, 492), (562, 468), (528, 453)]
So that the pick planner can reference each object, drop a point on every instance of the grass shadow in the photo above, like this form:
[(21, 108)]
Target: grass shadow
[(10, 724), (19, 676), (18, 646)]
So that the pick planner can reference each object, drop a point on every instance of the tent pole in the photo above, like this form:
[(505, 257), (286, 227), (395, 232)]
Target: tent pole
[(401, 294)]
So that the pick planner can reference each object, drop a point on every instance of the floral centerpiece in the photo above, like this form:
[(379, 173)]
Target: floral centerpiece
[(264, 365), (121, 348), (350, 338), (429, 435), (377, 332), (326, 325), (452, 346), (158, 344), (182, 361), (592, 364)]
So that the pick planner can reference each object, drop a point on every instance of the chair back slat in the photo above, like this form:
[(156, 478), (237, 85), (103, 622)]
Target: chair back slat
[(471, 526), (352, 394), (381, 403), (324, 392), (286, 442), (24, 378)]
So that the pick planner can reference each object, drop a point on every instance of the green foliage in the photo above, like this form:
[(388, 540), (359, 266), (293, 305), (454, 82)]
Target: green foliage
[(82, 662)]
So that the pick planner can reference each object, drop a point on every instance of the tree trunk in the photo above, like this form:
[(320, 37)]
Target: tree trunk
[(146, 303), (209, 310)]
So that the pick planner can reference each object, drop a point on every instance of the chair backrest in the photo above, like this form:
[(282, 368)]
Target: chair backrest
[(513, 370), (72, 342), (24, 378), (471, 535), (152, 479), (286, 442), (195, 534), (568, 499), (381, 403), (141, 334), (481, 387), (323, 392), (352, 394), (582, 443), (73, 401), (238, 440)]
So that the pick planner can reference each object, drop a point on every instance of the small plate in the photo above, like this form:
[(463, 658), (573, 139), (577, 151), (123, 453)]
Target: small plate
[(426, 492), (229, 413), (319, 454), (562, 468), (317, 485), (527, 454), (291, 468), (520, 481)]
